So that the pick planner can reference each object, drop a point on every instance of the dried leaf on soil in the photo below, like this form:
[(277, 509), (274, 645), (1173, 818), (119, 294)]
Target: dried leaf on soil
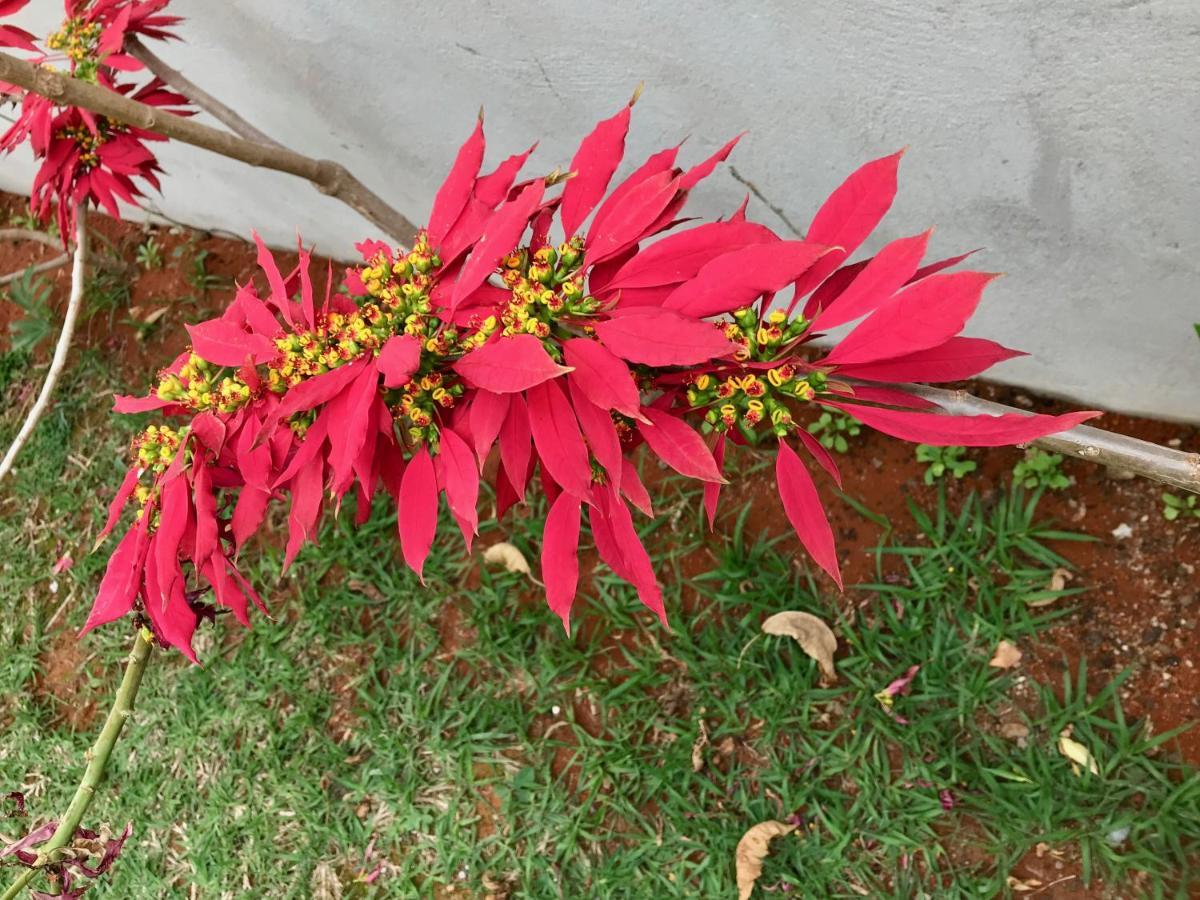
[(814, 636), (698, 747), (508, 556), (1006, 656), (1078, 754), (752, 849), (1058, 582)]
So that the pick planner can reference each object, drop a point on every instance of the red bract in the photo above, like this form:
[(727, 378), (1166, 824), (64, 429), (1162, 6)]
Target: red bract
[(88, 157), (539, 338)]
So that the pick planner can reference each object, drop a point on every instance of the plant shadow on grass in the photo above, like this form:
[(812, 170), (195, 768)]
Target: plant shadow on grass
[(449, 735)]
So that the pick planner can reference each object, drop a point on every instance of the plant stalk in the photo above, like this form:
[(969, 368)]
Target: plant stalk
[(97, 760)]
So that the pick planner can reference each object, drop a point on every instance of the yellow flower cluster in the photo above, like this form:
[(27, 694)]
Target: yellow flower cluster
[(746, 399), (77, 39), (156, 447), (544, 286), (200, 386), (86, 140)]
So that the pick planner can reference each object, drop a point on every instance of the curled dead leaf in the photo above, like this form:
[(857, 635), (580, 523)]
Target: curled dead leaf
[(814, 637), (1079, 755), (507, 555), (1006, 656), (1058, 582), (698, 747), (752, 849)]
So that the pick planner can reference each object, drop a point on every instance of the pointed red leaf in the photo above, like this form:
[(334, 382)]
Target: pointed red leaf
[(888, 271), (849, 215), (312, 392), (941, 264), (699, 172), (662, 337), (354, 417), (926, 314), (633, 218), (678, 257), (804, 510), (739, 277), (602, 438), (515, 449), (640, 570), (458, 476), (248, 513), (486, 416), (676, 444), (173, 522), (279, 296), (633, 489), (224, 344), (456, 189), (500, 235), (117, 504), (307, 489), (493, 188), (602, 377), (171, 616), (560, 556), (205, 506), (958, 358), (418, 510), (508, 365), (398, 359), (119, 585), (712, 489), (823, 457), (558, 440), (593, 164), (941, 430)]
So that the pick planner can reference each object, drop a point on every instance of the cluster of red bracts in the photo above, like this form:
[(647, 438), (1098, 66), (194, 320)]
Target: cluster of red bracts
[(85, 157), (562, 395)]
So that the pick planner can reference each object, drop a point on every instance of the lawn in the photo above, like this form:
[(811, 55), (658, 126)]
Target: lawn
[(383, 738)]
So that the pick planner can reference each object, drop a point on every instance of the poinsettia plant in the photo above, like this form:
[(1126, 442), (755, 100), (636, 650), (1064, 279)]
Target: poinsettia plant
[(85, 157), (558, 325)]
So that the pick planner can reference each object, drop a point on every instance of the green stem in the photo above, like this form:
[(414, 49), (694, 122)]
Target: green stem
[(97, 760)]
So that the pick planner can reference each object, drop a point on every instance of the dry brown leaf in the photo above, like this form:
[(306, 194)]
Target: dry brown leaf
[(814, 636), (508, 556), (1006, 656), (1078, 754), (1014, 731), (698, 747), (752, 849), (1016, 884), (1058, 582)]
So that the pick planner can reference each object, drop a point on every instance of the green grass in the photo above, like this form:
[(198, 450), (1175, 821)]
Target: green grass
[(239, 785)]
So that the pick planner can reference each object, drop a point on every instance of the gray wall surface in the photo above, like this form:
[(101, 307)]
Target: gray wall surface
[(1064, 137)]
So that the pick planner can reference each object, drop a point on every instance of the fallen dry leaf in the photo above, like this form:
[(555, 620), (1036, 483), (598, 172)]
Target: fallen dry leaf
[(1078, 754), (1016, 884), (752, 849), (508, 556), (698, 747), (814, 636), (1058, 582), (1014, 731), (1006, 656)]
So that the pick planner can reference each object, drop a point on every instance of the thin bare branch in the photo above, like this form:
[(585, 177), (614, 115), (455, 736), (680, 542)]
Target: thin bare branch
[(39, 237), (330, 177), (59, 360), (1162, 464), (175, 79)]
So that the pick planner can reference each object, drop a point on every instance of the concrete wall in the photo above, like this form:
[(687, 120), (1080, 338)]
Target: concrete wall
[(1062, 136)]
